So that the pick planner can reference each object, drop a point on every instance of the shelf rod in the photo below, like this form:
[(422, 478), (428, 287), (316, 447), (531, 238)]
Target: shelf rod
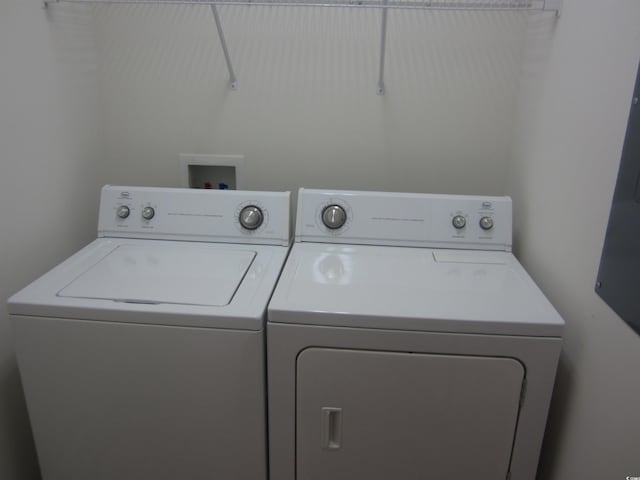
[(383, 48), (232, 75), (532, 6)]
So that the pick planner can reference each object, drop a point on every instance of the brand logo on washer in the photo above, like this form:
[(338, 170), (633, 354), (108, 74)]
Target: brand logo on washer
[(124, 194), (486, 205)]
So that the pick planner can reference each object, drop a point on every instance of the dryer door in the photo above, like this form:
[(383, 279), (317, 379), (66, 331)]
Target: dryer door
[(382, 415)]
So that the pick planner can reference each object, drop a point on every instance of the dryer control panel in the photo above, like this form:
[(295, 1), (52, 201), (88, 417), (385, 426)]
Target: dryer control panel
[(195, 215), (404, 219)]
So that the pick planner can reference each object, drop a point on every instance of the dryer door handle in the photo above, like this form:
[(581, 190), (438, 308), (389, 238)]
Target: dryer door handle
[(331, 428)]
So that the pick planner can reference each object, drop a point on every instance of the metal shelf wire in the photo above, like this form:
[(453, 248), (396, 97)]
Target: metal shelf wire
[(471, 5), (384, 5)]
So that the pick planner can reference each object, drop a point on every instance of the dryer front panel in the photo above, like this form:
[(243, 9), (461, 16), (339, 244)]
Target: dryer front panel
[(381, 415)]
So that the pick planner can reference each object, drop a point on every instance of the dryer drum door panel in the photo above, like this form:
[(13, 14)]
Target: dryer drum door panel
[(381, 415)]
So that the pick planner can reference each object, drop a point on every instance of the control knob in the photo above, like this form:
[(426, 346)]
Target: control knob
[(486, 223), (334, 217), (251, 217), (148, 213), (459, 221), (122, 211)]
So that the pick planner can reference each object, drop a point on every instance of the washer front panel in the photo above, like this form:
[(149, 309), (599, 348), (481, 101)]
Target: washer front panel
[(127, 401)]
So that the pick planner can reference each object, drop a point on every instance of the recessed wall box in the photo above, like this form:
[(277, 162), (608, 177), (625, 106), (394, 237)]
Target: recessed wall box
[(217, 172)]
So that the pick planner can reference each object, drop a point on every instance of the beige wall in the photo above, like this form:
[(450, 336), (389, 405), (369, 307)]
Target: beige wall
[(572, 114), (306, 111), (48, 187)]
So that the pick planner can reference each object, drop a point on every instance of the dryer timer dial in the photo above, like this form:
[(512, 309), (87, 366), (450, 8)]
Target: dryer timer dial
[(334, 216), (251, 217)]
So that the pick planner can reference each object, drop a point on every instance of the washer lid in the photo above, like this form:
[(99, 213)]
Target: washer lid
[(185, 275)]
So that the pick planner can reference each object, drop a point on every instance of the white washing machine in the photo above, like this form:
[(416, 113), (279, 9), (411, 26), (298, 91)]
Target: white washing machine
[(404, 340), (142, 356)]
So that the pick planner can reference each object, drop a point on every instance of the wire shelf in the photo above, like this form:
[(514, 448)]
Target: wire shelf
[(471, 5), (384, 5)]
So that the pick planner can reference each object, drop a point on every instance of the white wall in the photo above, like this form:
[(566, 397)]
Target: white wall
[(574, 103), (48, 184), (306, 112)]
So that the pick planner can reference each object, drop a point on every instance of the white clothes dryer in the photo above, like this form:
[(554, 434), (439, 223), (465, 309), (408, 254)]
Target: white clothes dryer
[(406, 341), (142, 355)]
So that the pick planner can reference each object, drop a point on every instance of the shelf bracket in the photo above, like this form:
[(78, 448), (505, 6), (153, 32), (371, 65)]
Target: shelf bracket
[(553, 5), (383, 48), (233, 81)]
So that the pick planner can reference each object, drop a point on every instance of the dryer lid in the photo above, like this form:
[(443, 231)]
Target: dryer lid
[(400, 288), (173, 274)]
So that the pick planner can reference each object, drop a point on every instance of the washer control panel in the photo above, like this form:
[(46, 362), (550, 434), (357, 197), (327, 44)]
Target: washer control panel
[(195, 215), (404, 219)]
